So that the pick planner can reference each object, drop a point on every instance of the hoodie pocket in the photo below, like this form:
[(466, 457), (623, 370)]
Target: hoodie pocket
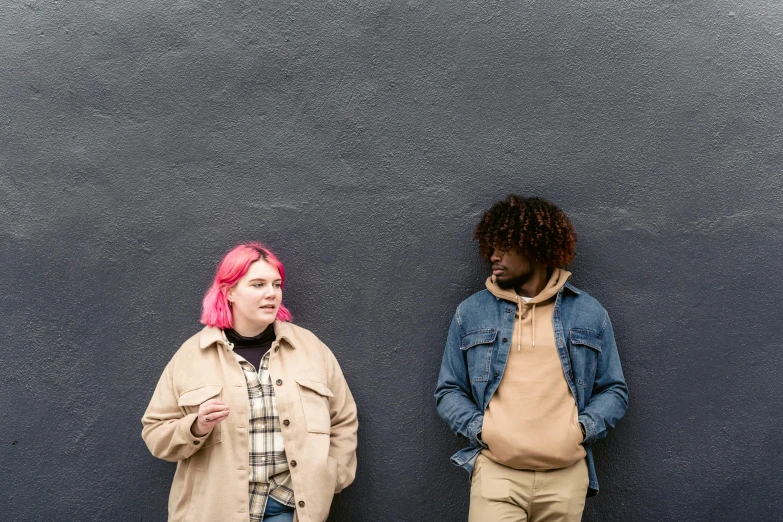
[(315, 404), (477, 346)]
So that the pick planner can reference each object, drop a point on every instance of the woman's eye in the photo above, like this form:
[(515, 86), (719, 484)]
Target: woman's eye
[(278, 285)]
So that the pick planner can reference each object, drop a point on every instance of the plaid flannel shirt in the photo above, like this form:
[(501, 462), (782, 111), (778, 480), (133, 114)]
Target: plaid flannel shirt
[(268, 469)]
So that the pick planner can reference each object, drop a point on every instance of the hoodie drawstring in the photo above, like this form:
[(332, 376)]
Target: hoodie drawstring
[(533, 332), (519, 336)]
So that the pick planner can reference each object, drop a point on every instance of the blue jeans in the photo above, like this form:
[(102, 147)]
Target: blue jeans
[(277, 512)]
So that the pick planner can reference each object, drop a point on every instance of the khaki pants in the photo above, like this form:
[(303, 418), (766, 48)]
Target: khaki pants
[(501, 494)]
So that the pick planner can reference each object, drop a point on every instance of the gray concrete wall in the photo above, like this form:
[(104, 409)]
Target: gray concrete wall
[(139, 140)]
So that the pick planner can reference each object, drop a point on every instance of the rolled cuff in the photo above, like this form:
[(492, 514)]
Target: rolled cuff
[(474, 429), (590, 431), (195, 443)]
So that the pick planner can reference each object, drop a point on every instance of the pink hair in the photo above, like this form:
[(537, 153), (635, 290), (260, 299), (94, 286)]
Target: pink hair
[(216, 310)]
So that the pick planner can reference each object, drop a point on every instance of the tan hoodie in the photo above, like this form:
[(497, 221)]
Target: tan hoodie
[(531, 421)]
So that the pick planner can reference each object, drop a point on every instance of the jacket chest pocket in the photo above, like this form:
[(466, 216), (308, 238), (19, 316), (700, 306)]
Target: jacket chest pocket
[(192, 399), (585, 350), (315, 405), (477, 346)]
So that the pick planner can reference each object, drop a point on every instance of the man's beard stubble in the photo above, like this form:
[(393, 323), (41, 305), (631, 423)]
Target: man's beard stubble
[(513, 283)]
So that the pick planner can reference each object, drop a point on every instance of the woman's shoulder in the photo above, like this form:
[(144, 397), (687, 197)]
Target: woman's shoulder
[(298, 336), (294, 333), (197, 343)]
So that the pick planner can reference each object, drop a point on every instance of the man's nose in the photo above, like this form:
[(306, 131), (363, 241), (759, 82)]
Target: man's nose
[(497, 255)]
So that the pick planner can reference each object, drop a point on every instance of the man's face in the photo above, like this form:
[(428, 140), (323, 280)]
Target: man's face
[(511, 269)]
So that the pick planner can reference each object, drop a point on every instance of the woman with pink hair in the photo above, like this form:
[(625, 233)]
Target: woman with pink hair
[(254, 410)]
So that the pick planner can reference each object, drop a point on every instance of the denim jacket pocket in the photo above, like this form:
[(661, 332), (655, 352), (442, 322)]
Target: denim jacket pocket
[(478, 348), (585, 350)]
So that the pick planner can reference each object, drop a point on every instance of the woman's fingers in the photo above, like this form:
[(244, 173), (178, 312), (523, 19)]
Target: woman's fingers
[(209, 413), (216, 416), (208, 410), (212, 402), (210, 406)]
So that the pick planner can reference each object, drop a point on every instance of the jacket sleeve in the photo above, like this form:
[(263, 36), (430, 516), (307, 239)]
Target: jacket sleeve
[(453, 397), (344, 424), (609, 400), (166, 430)]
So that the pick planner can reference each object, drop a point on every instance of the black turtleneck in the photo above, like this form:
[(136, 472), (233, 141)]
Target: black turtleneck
[(252, 348)]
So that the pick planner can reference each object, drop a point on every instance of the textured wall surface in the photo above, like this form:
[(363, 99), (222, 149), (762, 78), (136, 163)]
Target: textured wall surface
[(139, 140)]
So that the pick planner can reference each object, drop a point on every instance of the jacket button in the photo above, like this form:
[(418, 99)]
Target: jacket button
[(277, 348), (279, 382), (293, 463), (496, 374), (286, 423), (196, 442), (301, 503), (505, 339)]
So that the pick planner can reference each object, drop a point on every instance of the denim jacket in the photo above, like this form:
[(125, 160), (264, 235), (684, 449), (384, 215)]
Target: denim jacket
[(475, 358)]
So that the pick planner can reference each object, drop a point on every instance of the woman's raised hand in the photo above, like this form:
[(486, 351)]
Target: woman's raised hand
[(210, 413)]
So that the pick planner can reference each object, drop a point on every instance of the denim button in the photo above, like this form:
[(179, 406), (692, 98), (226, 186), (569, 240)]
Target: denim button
[(505, 339)]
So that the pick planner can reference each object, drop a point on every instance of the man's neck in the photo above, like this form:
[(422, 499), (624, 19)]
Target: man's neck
[(533, 286)]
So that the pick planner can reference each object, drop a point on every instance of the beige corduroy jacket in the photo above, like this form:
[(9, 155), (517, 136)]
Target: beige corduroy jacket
[(317, 414)]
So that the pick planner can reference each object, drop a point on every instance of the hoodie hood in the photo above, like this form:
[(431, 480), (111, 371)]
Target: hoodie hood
[(553, 286)]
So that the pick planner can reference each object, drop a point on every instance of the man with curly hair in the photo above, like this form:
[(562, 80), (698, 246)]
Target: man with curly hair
[(530, 375)]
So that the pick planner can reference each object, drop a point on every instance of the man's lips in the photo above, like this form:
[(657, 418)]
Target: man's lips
[(497, 270)]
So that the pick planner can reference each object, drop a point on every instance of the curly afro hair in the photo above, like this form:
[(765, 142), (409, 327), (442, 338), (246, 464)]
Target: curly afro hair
[(534, 227)]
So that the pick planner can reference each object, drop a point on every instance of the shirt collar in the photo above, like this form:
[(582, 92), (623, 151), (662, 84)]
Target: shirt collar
[(212, 334)]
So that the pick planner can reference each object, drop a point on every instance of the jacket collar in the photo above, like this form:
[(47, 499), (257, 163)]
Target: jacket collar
[(211, 335), (571, 287)]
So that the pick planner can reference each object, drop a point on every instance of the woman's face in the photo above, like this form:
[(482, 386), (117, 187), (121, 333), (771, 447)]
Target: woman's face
[(256, 298)]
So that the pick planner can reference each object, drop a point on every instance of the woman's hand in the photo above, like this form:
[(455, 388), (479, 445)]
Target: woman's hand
[(209, 414)]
